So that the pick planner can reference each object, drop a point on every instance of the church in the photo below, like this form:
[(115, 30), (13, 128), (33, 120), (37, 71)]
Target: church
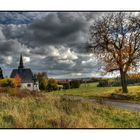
[(28, 79)]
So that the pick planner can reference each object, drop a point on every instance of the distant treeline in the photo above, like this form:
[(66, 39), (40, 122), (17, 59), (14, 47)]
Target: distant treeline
[(70, 84), (50, 84), (131, 79)]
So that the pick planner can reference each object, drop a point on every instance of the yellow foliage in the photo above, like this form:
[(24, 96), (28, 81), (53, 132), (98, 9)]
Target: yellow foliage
[(134, 75), (17, 80), (7, 82)]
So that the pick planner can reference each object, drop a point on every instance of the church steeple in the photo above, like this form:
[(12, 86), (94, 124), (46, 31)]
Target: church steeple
[(21, 66)]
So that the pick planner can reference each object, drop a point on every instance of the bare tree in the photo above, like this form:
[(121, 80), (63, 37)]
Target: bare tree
[(115, 39)]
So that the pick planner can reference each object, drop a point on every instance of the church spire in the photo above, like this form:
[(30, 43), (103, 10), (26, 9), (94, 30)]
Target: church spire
[(21, 66)]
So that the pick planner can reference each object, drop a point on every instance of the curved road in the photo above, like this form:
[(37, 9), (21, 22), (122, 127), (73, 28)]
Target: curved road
[(128, 106)]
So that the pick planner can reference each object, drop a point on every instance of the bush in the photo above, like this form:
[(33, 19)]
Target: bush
[(75, 84), (70, 84), (42, 78), (42, 85), (66, 85), (116, 83), (8, 82), (52, 85), (103, 83)]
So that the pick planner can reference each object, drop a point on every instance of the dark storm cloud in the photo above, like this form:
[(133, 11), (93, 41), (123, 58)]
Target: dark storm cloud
[(57, 28), (12, 31), (8, 46), (20, 17), (53, 42), (60, 28)]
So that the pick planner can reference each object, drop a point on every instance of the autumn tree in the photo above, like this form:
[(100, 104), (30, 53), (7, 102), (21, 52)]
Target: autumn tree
[(115, 39), (18, 80)]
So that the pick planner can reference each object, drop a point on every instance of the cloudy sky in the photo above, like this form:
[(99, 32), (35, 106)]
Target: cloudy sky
[(54, 42)]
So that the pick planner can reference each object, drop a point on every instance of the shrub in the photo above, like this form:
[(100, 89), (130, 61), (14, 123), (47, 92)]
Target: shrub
[(116, 83), (42, 78), (103, 83), (75, 84), (70, 84), (42, 85), (8, 82), (52, 85), (66, 85), (109, 83)]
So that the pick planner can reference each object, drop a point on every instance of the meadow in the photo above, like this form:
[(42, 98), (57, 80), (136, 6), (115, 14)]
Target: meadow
[(50, 110), (91, 90), (87, 90)]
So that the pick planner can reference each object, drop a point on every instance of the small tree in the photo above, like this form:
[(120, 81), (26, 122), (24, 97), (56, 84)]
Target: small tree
[(52, 85), (66, 85), (42, 78), (115, 39), (75, 84), (18, 80)]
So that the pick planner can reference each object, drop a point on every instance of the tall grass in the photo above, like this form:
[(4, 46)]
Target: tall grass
[(53, 111)]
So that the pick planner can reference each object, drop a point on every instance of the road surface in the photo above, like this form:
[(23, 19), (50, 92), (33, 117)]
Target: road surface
[(122, 105)]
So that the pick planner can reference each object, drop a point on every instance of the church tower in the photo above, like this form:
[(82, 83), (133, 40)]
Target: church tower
[(28, 80), (21, 66)]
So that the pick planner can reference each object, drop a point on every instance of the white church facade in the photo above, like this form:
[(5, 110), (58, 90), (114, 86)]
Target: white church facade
[(28, 79)]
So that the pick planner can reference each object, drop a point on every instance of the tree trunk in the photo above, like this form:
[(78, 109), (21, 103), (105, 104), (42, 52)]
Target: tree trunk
[(123, 81)]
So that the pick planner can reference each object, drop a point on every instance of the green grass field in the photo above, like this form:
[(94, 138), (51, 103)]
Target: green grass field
[(53, 111), (88, 90), (91, 90)]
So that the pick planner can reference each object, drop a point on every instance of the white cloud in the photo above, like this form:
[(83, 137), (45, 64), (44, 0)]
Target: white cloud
[(26, 59), (8, 60), (61, 52)]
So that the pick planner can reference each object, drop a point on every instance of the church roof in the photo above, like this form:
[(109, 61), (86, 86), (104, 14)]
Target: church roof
[(25, 73)]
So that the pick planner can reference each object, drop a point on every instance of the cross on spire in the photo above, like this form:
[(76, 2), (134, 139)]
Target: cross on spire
[(21, 66)]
